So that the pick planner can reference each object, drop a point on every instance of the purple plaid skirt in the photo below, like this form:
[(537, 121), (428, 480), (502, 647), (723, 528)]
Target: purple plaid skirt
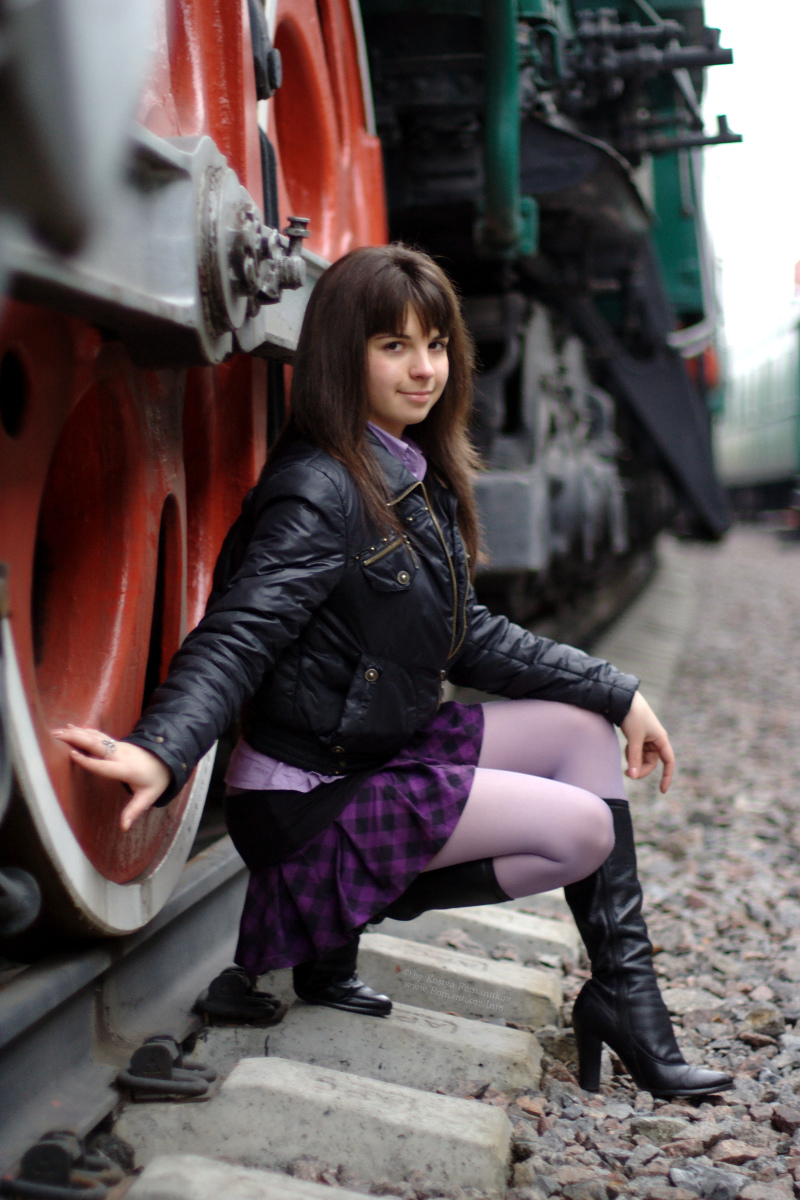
[(395, 823)]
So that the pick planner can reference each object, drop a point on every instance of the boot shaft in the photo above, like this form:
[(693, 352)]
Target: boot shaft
[(461, 885), (607, 907)]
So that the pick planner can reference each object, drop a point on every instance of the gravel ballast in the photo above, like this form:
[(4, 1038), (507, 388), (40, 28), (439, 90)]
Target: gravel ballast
[(718, 859)]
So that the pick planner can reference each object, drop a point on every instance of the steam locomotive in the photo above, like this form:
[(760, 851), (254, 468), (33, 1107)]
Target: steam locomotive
[(177, 174)]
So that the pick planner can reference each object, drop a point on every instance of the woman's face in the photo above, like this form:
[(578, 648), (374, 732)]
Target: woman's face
[(406, 374)]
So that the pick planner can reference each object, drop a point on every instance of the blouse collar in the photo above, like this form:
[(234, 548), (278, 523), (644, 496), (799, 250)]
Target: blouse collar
[(408, 453)]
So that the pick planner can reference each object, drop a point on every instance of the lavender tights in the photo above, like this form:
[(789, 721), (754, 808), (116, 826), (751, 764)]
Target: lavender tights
[(534, 806)]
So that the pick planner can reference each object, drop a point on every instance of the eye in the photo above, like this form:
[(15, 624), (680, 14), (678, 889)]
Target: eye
[(438, 344)]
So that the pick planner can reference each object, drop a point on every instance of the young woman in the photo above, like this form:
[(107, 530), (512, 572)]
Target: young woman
[(342, 602)]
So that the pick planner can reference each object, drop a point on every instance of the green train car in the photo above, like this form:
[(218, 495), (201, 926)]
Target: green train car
[(757, 435)]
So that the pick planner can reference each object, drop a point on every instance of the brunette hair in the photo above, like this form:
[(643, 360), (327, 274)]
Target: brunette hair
[(369, 292)]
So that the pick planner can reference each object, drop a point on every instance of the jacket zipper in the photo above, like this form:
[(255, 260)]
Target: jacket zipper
[(453, 580), (366, 562), (466, 594), (411, 550), (405, 537)]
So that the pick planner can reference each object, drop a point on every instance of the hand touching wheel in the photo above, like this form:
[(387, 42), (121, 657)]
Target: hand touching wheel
[(143, 773)]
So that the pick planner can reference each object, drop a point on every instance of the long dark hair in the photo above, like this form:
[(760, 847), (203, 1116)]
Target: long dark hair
[(369, 292)]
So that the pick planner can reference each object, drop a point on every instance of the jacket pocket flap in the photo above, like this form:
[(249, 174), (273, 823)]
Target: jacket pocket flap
[(389, 566)]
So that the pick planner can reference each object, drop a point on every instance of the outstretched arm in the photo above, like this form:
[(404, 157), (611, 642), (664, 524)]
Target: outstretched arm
[(295, 557)]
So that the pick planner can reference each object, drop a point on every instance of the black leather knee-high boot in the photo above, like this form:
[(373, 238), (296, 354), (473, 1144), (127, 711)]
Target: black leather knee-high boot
[(621, 1004), (332, 982), (459, 886)]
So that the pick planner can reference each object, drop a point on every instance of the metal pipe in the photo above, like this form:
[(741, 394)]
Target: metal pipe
[(501, 224)]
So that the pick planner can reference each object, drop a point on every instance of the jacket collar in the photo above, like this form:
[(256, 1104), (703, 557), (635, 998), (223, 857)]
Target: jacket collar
[(398, 476)]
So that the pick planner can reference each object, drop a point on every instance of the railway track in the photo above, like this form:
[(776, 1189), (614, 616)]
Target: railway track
[(382, 1101), (68, 1024)]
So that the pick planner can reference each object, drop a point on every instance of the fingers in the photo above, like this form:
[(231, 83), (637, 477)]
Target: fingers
[(650, 760), (143, 797), (143, 773), (100, 753), (97, 766), (655, 750), (106, 767), (92, 748), (92, 741), (134, 809), (79, 734), (648, 742), (633, 755), (644, 758), (668, 759)]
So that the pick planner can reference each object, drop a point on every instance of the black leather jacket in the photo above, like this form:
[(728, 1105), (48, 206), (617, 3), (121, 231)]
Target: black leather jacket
[(336, 640)]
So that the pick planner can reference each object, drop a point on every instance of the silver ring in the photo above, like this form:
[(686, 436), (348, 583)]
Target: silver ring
[(110, 746)]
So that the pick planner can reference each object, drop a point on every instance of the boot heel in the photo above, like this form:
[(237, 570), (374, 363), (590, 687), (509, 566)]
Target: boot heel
[(590, 1049)]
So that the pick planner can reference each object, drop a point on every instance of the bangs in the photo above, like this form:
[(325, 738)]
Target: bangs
[(394, 289)]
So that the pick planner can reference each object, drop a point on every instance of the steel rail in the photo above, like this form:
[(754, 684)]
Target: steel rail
[(68, 1024)]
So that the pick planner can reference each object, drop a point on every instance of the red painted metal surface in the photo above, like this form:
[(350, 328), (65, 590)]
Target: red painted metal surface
[(330, 168), (118, 484), (95, 463)]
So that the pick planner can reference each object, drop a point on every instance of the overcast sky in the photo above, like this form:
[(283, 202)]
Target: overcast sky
[(753, 190)]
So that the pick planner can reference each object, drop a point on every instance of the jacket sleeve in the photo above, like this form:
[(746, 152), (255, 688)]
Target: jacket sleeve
[(501, 657), (295, 557)]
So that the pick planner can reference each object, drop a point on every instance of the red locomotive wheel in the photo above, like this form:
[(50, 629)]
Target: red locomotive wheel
[(93, 504), (329, 159)]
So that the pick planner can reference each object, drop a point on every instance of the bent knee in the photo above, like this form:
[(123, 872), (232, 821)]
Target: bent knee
[(597, 834)]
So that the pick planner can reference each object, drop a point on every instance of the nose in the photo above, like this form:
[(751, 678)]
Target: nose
[(421, 367)]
